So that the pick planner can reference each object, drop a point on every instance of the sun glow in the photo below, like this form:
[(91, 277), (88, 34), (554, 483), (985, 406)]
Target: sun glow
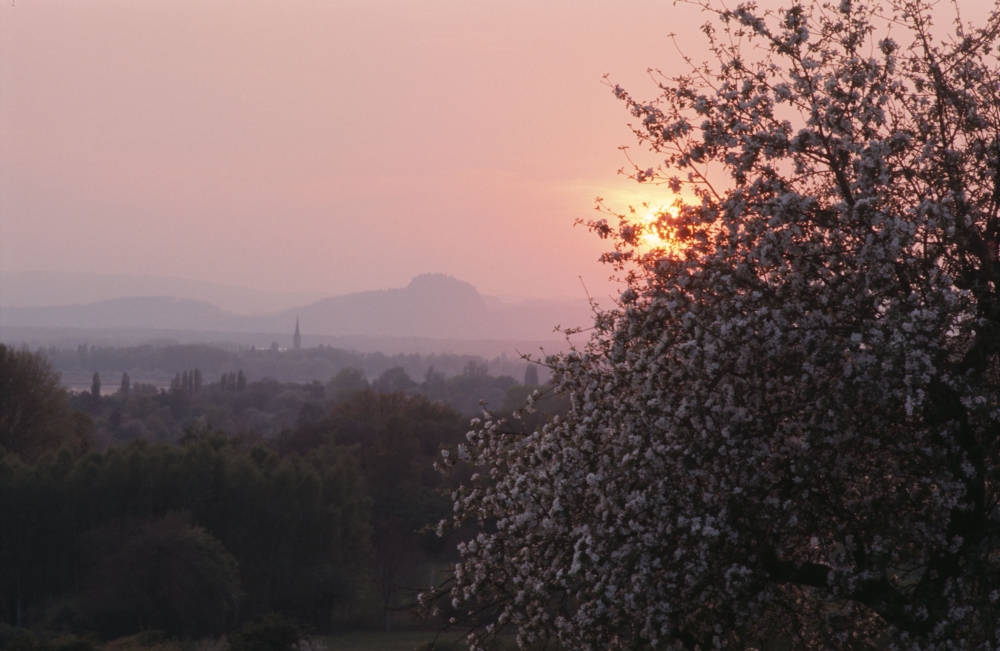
[(653, 221), (657, 224)]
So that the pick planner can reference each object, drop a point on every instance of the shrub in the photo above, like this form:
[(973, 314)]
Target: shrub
[(270, 633)]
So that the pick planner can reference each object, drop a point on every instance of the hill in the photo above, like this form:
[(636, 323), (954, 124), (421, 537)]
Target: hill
[(432, 306)]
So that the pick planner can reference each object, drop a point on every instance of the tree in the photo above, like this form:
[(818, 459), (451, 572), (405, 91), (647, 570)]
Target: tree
[(393, 380), (126, 384), (786, 433), (165, 573), (34, 411), (395, 558), (531, 375), (346, 383)]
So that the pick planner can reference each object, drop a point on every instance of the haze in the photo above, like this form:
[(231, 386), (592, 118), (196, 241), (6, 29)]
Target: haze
[(319, 147), (322, 147)]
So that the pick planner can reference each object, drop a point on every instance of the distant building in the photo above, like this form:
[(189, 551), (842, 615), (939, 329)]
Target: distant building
[(297, 338)]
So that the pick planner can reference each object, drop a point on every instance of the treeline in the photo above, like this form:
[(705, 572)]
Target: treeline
[(158, 364), (179, 538), (326, 522), (265, 408)]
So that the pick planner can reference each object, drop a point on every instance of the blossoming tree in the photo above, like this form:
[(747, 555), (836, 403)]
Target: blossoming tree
[(786, 433)]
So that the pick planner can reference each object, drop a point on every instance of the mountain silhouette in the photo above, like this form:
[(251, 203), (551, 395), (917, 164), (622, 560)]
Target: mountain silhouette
[(164, 312), (433, 306)]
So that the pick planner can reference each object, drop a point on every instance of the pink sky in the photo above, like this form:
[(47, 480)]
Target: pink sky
[(321, 146)]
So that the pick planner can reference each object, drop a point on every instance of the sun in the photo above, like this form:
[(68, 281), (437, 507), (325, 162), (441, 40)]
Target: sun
[(651, 234), (653, 219)]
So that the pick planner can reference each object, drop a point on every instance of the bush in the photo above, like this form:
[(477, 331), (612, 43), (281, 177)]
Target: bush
[(70, 643), (270, 633), (148, 640), (21, 639), (15, 638)]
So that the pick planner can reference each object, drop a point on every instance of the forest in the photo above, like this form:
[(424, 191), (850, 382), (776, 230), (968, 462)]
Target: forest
[(199, 509), (266, 407), (157, 362)]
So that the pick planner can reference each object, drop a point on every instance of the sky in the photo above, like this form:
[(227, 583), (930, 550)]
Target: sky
[(324, 146)]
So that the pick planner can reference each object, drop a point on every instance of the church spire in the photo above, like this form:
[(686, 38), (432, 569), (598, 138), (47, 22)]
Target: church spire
[(297, 338)]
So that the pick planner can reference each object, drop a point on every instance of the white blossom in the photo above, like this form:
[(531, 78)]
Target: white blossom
[(786, 434)]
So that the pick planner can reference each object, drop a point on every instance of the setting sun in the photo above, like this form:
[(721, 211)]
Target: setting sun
[(653, 231), (656, 222), (654, 217)]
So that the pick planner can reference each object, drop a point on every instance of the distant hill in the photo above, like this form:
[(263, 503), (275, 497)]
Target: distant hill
[(51, 288), (432, 306), (133, 312)]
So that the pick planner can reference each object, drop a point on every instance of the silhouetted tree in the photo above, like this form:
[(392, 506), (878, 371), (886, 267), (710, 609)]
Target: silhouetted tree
[(396, 556), (393, 380), (347, 382), (474, 369), (163, 573), (531, 375), (34, 411)]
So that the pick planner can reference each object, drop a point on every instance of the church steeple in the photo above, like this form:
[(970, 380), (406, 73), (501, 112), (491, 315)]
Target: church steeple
[(297, 338)]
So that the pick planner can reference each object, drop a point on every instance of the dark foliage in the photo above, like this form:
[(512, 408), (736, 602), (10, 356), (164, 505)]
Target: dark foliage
[(78, 527), (210, 504), (34, 411), (269, 633), (163, 573)]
